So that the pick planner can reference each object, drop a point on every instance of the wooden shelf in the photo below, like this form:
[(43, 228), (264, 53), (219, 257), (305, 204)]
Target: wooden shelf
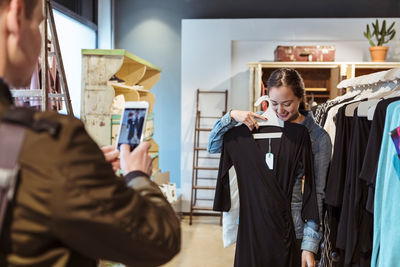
[(98, 92), (319, 77), (134, 93), (316, 89), (294, 64)]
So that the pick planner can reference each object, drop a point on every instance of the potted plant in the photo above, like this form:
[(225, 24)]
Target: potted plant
[(382, 36)]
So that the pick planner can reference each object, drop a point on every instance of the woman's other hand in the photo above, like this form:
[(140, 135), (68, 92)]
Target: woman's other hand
[(247, 117)]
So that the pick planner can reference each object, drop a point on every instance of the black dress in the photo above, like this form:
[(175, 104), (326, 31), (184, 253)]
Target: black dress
[(266, 234), (355, 192), (337, 171), (336, 180), (370, 165)]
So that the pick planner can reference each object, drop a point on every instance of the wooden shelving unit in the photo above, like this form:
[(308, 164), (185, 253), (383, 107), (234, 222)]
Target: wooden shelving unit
[(107, 74), (98, 92)]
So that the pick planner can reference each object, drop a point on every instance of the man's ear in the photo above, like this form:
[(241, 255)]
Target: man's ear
[(14, 16)]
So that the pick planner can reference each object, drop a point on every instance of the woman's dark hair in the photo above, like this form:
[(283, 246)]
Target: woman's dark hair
[(290, 78)]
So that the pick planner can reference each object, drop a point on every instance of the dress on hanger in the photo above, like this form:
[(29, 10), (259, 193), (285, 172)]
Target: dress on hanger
[(370, 165), (338, 168), (355, 190), (266, 235), (336, 178)]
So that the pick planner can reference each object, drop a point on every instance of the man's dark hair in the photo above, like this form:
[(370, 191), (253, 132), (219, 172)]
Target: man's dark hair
[(29, 6)]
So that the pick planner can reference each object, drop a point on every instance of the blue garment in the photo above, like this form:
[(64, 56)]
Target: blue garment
[(386, 242), (321, 148)]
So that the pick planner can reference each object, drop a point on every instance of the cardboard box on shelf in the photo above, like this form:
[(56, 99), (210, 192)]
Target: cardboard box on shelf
[(161, 178)]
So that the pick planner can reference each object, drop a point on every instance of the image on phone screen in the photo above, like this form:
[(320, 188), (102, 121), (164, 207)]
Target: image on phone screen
[(132, 127)]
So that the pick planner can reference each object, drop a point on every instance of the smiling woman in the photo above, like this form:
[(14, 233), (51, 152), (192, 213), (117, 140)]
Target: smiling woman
[(286, 92)]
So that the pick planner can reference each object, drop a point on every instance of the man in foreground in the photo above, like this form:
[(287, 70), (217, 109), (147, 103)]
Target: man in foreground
[(69, 208)]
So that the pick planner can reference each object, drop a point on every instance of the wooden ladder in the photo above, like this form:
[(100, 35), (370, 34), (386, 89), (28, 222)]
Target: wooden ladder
[(200, 153), (43, 94)]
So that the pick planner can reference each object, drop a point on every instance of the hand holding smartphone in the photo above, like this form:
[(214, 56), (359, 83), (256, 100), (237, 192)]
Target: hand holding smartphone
[(132, 124)]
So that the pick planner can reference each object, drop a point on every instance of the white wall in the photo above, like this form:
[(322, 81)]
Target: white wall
[(215, 53), (73, 37)]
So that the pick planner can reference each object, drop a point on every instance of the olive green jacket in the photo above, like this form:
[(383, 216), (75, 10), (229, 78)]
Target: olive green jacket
[(71, 210)]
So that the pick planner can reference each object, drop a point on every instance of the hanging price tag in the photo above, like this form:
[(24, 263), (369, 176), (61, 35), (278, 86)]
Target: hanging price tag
[(269, 159)]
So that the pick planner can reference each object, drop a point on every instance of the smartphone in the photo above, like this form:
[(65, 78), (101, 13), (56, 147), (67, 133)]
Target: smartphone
[(132, 124), (395, 134)]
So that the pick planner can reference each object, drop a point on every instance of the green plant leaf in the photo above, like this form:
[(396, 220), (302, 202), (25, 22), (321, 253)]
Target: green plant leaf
[(391, 26), (382, 34), (368, 32), (392, 35), (371, 43), (383, 31)]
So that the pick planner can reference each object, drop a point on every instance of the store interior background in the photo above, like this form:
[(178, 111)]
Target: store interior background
[(207, 44)]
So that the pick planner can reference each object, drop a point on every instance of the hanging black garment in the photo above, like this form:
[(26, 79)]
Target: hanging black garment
[(370, 165), (266, 234), (338, 167), (335, 181), (354, 190)]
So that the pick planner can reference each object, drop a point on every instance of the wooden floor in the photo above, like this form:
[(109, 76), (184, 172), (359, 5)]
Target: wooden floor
[(202, 245)]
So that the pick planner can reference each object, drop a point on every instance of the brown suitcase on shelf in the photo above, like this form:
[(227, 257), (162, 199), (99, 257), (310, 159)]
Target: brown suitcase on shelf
[(305, 53)]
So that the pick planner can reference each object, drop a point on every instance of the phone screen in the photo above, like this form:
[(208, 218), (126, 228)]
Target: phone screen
[(132, 127), (396, 139)]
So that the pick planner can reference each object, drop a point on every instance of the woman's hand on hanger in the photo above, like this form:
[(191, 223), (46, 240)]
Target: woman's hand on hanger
[(246, 117), (307, 259)]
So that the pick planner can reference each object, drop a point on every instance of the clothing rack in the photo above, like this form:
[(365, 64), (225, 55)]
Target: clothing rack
[(352, 182), (371, 79), (44, 94)]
